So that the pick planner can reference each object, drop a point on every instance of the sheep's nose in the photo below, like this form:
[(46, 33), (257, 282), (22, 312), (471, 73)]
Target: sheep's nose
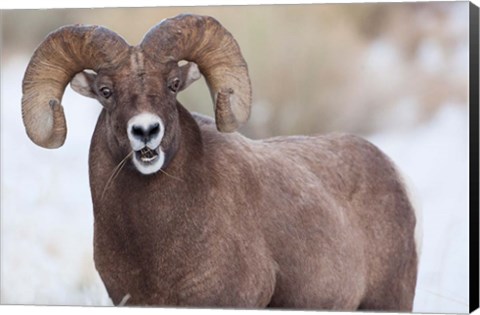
[(145, 133), (145, 129)]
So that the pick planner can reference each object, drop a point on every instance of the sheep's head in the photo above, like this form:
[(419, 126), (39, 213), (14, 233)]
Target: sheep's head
[(139, 97), (137, 85)]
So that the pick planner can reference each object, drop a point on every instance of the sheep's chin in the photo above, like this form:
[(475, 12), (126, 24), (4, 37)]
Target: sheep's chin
[(148, 165)]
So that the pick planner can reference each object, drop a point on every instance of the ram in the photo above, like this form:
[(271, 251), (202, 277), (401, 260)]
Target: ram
[(189, 212)]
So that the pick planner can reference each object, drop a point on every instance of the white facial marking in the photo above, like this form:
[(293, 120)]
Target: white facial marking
[(150, 167), (145, 132), (145, 121)]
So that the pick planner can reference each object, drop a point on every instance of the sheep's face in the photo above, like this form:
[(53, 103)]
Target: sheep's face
[(141, 108)]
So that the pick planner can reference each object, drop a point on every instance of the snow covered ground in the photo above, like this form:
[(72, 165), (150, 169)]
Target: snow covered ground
[(434, 161), (47, 222)]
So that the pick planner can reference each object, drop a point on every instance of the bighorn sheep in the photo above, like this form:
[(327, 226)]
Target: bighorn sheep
[(185, 214)]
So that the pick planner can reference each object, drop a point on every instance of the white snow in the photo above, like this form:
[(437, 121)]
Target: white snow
[(434, 160), (47, 222)]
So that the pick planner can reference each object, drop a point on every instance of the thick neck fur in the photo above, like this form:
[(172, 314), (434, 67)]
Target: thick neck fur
[(126, 220)]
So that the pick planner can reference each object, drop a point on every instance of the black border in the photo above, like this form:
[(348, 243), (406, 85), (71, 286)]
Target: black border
[(474, 160)]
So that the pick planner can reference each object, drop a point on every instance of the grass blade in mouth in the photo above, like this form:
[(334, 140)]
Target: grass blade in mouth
[(115, 173)]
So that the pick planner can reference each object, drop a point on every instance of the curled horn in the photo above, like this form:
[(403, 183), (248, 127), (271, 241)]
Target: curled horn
[(203, 40), (59, 57)]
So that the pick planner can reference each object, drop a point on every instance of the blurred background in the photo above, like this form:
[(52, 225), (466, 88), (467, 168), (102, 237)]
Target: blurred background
[(395, 73)]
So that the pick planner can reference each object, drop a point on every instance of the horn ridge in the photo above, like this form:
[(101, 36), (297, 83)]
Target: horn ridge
[(64, 52), (204, 41)]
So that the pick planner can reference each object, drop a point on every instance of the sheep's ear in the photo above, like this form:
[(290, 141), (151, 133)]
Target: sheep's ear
[(189, 74), (82, 83)]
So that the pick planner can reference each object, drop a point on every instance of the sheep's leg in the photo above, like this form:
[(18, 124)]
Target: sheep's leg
[(396, 294)]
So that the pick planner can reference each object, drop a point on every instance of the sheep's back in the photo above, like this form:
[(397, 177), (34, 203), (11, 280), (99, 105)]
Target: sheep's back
[(331, 209)]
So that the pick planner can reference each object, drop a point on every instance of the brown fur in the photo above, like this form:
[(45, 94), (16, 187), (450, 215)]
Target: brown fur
[(305, 222), (297, 222)]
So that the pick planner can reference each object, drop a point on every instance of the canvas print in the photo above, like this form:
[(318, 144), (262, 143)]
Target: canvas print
[(300, 157)]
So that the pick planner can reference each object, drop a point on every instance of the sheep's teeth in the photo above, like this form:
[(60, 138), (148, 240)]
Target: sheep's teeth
[(147, 155), (148, 159)]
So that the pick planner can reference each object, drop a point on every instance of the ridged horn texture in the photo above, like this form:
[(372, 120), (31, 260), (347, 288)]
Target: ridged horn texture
[(64, 52), (203, 40)]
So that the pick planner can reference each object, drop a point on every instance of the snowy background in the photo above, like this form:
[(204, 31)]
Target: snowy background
[(46, 210)]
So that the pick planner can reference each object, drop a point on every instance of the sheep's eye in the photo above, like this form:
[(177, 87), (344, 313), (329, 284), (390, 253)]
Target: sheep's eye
[(106, 92), (174, 85)]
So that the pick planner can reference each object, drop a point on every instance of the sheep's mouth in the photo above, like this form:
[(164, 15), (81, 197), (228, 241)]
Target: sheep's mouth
[(146, 155), (148, 161)]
